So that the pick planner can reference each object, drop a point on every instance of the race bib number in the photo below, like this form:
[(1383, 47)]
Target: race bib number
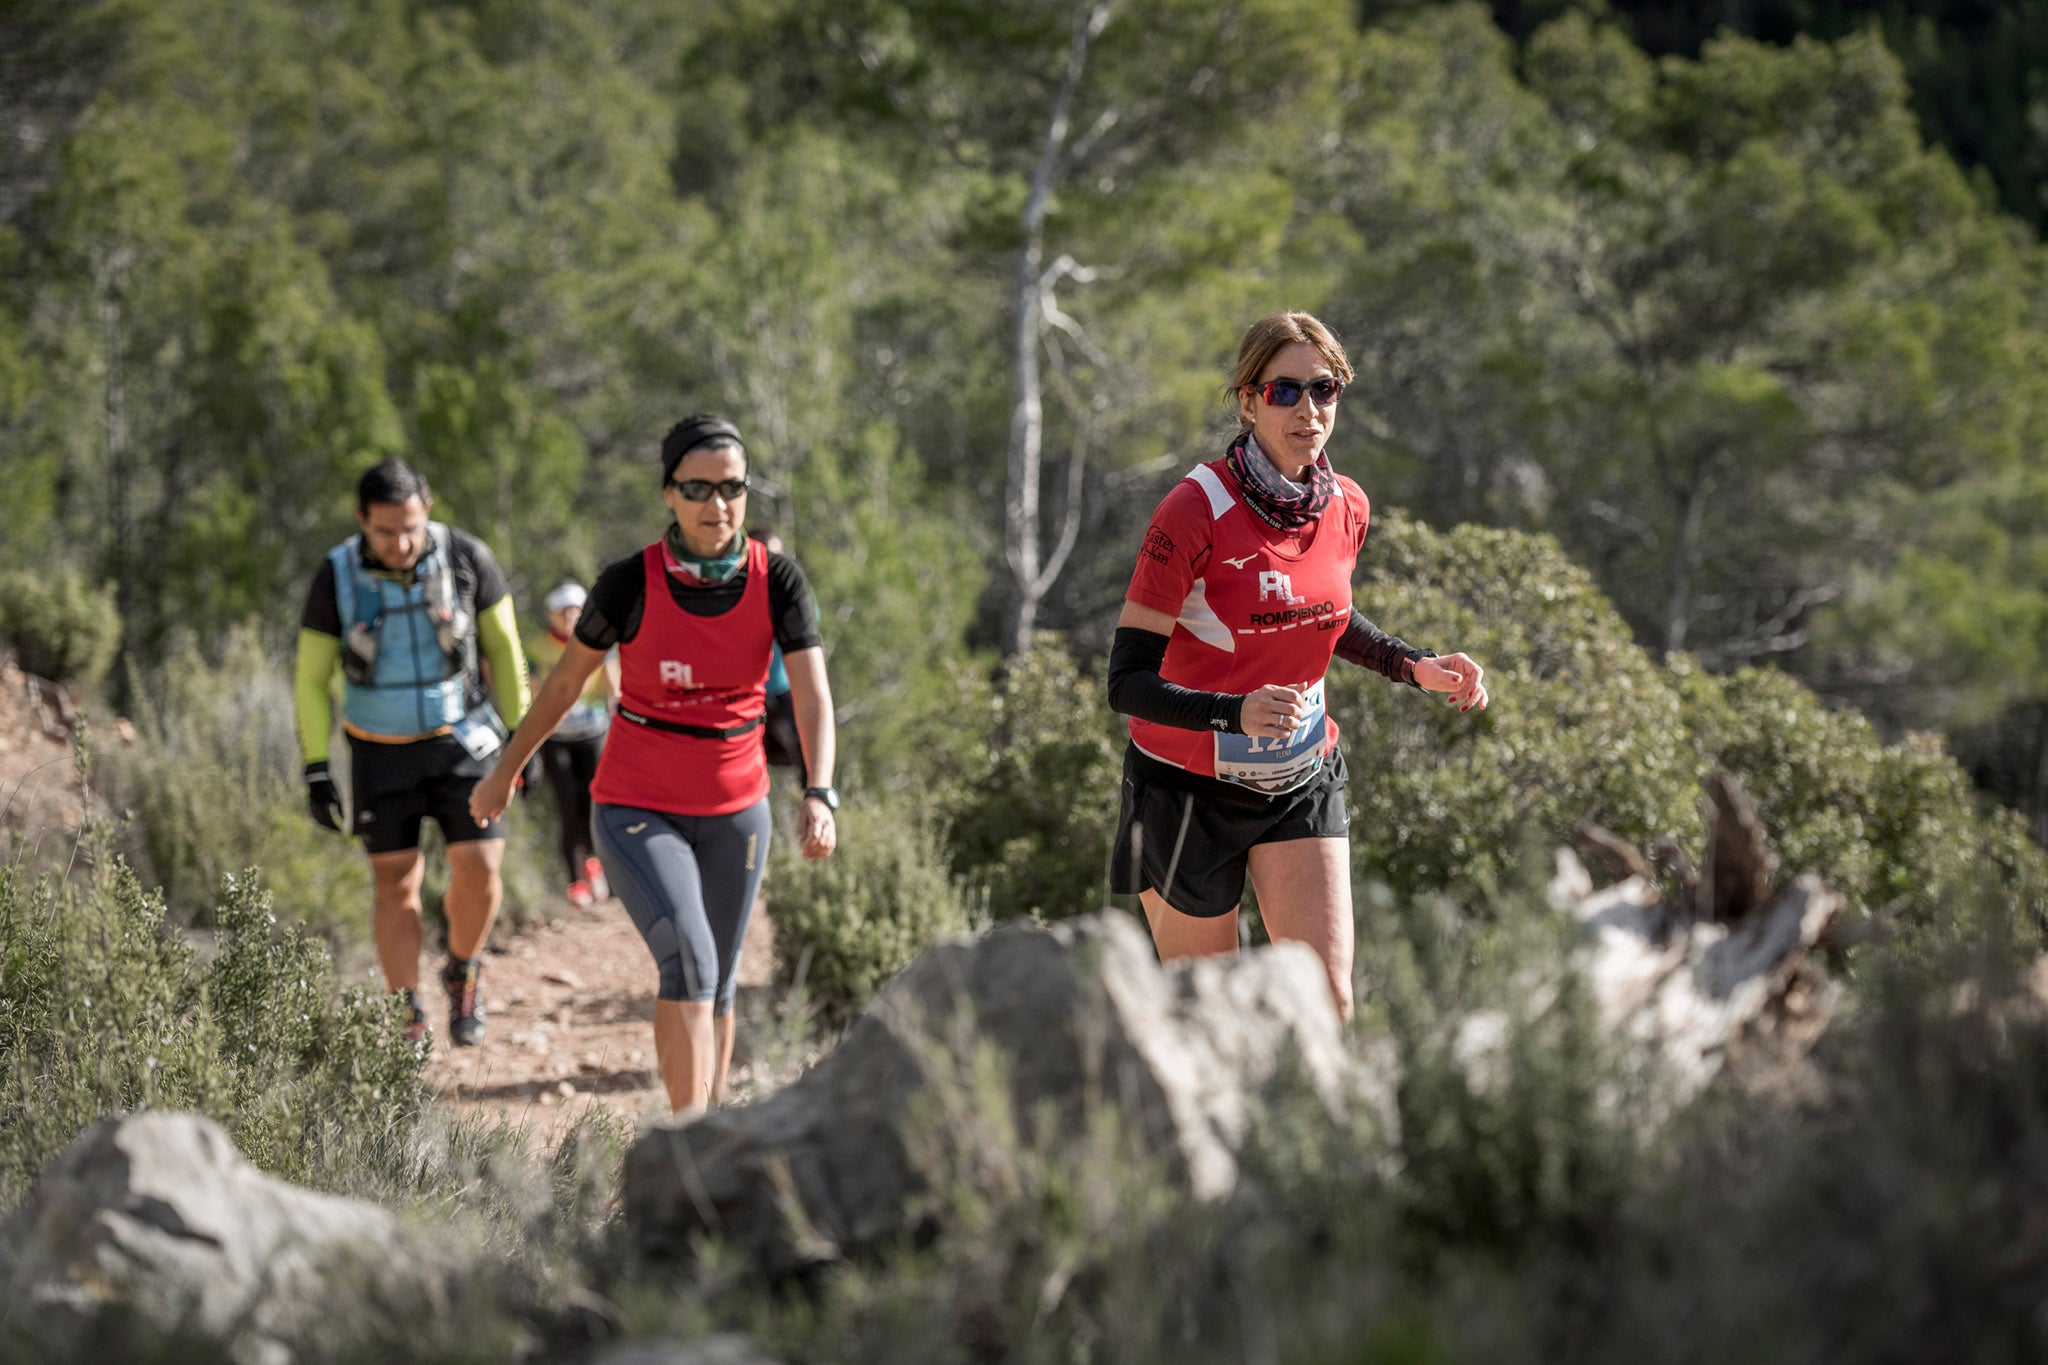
[(1275, 766)]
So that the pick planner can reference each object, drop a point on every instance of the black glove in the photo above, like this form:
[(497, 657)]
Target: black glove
[(322, 799)]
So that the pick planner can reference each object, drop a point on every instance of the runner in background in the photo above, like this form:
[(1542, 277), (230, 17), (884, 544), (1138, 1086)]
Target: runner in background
[(569, 757), (411, 612), (682, 790)]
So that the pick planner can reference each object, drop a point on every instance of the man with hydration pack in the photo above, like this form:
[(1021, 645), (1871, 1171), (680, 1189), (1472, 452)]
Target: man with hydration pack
[(413, 613)]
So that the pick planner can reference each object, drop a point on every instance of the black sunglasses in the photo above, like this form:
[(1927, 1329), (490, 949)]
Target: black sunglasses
[(1285, 393), (700, 490)]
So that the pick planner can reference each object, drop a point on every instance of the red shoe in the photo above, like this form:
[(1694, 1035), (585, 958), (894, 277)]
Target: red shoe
[(580, 895), (593, 874)]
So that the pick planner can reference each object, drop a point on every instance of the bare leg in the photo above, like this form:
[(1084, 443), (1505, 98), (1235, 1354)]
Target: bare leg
[(684, 1048), (396, 923), (1304, 888), (474, 890), (722, 1025), (1177, 935)]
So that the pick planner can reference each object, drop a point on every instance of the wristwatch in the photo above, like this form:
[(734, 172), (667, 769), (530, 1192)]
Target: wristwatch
[(829, 795)]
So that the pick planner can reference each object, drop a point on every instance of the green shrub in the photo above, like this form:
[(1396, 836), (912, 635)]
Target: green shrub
[(211, 785), (846, 924), (1897, 829), (1583, 724), (1033, 823), (103, 1010), (1810, 771), (59, 626)]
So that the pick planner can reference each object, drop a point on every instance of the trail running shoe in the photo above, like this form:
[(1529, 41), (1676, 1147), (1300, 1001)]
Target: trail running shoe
[(416, 1032), (581, 896), (593, 877), (465, 1005)]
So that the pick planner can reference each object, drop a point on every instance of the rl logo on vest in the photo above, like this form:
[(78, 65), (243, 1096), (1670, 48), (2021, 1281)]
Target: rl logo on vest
[(676, 676), (1273, 583)]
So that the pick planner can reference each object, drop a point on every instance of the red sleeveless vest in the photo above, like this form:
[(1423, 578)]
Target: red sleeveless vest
[(706, 672)]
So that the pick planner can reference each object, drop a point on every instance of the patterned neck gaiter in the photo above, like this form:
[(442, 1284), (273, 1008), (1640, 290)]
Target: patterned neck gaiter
[(1278, 501)]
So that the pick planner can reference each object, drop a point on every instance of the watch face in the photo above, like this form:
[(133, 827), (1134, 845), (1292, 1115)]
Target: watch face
[(826, 794)]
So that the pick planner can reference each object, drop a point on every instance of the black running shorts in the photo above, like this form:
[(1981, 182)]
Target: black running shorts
[(1190, 838), (396, 787)]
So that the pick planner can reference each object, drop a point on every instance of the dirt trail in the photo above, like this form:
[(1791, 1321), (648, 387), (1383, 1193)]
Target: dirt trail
[(41, 802), (570, 1007), (570, 1004)]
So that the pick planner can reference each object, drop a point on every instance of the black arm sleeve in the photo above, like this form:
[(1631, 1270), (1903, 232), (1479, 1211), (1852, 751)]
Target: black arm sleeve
[(1366, 645), (1136, 689)]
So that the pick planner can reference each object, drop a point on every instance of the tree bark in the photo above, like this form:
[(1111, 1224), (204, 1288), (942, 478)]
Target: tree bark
[(1685, 552)]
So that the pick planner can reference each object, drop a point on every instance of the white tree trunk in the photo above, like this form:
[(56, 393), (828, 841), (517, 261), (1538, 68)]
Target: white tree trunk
[(1032, 571)]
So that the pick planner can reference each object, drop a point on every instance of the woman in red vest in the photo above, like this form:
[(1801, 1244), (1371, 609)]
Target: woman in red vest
[(1241, 597), (681, 793)]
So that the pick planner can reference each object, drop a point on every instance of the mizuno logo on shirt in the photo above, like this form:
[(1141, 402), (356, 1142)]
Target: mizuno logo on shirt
[(1240, 563), (635, 829)]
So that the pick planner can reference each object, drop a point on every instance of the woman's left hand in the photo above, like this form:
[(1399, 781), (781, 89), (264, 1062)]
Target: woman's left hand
[(1457, 676), (820, 831), (489, 797)]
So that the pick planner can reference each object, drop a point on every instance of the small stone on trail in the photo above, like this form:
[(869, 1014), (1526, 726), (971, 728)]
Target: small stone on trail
[(565, 1089), (562, 976)]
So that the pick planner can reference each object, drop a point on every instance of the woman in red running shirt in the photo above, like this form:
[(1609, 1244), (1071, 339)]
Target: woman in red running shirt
[(1241, 597), (680, 815)]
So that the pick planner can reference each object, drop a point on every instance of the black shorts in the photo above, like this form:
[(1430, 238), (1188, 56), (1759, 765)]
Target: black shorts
[(397, 786), (1190, 838)]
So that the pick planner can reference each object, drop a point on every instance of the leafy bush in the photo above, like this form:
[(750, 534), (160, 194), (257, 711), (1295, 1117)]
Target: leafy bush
[(61, 627), (211, 784), (103, 1010), (1583, 725), (1033, 824), (846, 924), (1897, 829)]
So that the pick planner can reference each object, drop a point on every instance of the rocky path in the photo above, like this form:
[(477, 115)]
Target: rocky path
[(570, 1007)]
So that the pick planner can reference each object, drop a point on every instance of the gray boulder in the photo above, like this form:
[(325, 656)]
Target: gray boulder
[(1080, 1020), (724, 1349), (160, 1214)]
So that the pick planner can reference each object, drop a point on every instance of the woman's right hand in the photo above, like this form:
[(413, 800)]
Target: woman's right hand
[(488, 798), (1272, 712)]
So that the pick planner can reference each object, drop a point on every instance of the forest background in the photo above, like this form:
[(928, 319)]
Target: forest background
[(1753, 329)]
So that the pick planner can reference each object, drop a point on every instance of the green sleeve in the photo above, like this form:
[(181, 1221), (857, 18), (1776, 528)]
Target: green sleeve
[(319, 657), (497, 635)]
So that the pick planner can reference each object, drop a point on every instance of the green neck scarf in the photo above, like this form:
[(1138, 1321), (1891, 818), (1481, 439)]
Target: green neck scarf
[(707, 570)]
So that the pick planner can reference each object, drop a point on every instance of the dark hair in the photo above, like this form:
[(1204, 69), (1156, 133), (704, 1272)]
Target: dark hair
[(394, 482), (699, 429)]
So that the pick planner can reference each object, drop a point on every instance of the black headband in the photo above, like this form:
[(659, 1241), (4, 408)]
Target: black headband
[(698, 429)]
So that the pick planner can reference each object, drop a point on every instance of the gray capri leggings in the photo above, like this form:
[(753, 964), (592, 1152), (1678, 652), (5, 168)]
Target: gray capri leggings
[(689, 883)]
